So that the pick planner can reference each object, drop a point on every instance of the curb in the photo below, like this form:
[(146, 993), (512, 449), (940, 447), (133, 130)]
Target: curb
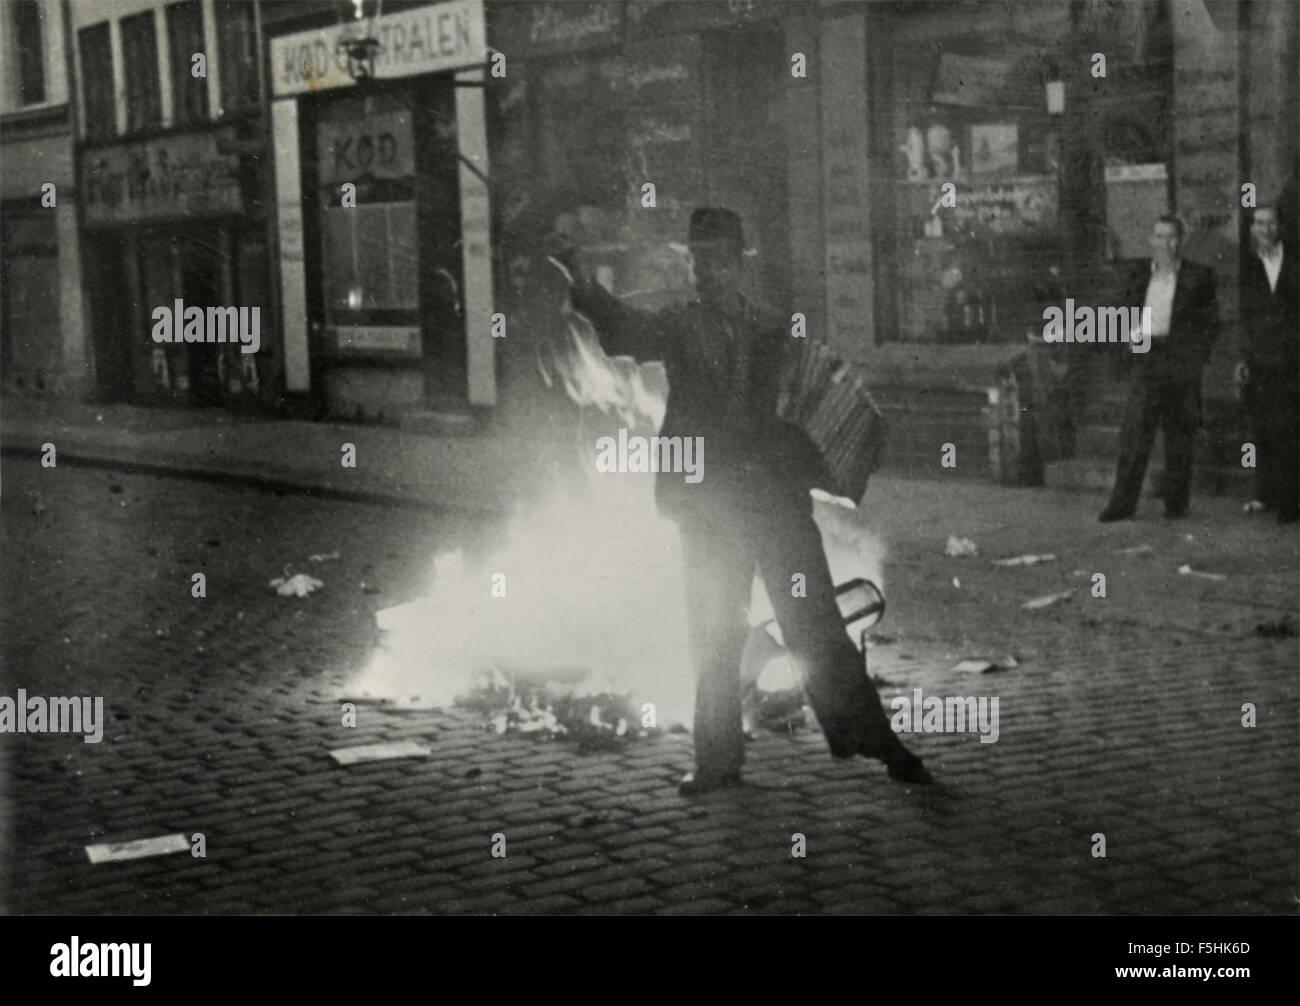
[(252, 480)]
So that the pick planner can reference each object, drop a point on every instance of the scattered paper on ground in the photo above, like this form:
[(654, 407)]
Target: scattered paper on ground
[(380, 752), (1025, 560), (1135, 550), (1047, 600), (142, 848), (983, 665), (323, 557), (1187, 570), (961, 546), (298, 585)]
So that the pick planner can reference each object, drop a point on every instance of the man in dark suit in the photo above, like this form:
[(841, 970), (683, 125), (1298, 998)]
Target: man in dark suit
[(1271, 326), (752, 507), (1165, 385)]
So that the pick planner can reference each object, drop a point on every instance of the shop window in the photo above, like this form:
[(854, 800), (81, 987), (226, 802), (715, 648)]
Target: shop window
[(184, 39), (979, 270), (370, 251), (237, 52), (140, 56), (31, 51), (97, 81)]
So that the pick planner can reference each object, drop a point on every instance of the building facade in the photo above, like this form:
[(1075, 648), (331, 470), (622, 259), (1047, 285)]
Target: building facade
[(42, 328), (170, 162), (917, 180)]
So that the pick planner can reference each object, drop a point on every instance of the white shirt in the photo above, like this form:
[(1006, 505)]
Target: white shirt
[(1272, 265), (1160, 298)]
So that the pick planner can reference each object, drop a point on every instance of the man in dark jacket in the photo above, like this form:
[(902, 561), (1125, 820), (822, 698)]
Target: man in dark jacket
[(1271, 326), (1165, 386), (751, 507)]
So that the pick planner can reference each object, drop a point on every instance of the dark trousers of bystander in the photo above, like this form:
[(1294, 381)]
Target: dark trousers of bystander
[(721, 547), (1171, 405), (1277, 421)]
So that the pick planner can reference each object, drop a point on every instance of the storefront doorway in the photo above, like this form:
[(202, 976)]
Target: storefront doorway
[(390, 310)]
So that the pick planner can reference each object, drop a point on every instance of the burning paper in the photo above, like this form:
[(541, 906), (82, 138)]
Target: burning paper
[(592, 589)]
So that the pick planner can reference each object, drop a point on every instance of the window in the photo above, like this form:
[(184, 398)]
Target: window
[(140, 56), (237, 50), (97, 81), (184, 39), (370, 253), (31, 53)]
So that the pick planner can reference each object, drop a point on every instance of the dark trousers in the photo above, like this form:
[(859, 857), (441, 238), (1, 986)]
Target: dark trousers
[(1277, 446), (721, 546), (1172, 405)]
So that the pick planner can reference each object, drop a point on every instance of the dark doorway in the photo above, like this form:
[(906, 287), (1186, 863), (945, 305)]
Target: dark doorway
[(111, 313), (201, 287)]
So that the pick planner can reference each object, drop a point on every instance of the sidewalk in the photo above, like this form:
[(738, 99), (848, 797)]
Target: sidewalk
[(472, 472)]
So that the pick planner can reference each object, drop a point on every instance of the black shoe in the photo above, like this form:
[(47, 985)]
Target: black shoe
[(902, 765), (1112, 513), (696, 785), (1288, 517), (1175, 514)]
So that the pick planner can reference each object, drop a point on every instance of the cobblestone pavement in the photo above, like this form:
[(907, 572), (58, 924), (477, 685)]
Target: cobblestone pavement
[(1123, 718)]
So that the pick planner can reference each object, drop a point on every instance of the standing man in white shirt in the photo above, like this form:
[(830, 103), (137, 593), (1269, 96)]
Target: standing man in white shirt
[(1271, 329), (1165, 387)]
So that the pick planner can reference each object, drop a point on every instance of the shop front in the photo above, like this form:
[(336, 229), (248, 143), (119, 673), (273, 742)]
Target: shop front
[(168, 218), (381, 186)]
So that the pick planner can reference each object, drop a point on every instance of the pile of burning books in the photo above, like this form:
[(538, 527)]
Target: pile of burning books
[(827, 398)]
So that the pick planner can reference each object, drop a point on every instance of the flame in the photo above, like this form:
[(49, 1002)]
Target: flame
[(618, 387), (593, 580)]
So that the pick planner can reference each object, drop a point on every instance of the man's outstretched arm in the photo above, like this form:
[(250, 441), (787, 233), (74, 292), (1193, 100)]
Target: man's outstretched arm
[(622, 330)]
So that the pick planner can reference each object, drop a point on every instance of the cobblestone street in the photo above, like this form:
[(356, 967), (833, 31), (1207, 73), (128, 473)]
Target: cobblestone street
[(1124, 717)]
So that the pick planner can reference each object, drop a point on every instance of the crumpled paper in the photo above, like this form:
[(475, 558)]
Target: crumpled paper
[(298, 585), (961, 546)]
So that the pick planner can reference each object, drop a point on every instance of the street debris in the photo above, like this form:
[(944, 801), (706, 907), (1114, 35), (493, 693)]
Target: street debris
[(956, 583), (142, 848), (1047, 600), (323, 557), (961, 546), (1254, 506), (1282, 628), (1187, 570), (379, 752), (1025, 560), (596, 720), (297, 585), (982, 665), (368, 588), (1135, 550)]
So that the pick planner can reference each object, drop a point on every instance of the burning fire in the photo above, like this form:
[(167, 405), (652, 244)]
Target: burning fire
[(594, 587)]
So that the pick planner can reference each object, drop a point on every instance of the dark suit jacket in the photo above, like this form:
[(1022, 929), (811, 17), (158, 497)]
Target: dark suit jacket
[(1193, 323), (1270, 318), (722, 390)]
